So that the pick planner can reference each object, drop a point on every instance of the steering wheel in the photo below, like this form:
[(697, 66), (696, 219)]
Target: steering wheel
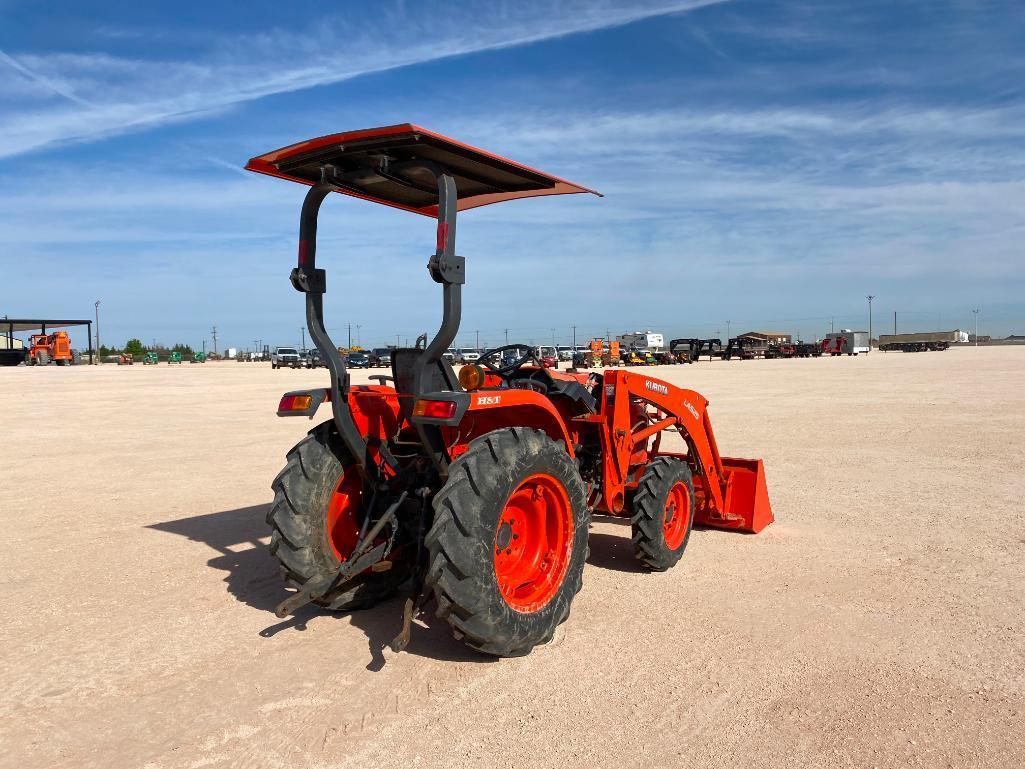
[(510, 368)]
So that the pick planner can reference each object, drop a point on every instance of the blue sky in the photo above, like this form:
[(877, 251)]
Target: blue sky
[(766, 163)]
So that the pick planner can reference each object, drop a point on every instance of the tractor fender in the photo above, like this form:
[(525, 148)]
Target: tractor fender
[(491, 410)]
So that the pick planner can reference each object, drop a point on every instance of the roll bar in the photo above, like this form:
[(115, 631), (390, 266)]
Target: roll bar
[(444, 266)]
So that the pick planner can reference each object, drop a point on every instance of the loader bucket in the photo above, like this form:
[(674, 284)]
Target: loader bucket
[(747, 498)]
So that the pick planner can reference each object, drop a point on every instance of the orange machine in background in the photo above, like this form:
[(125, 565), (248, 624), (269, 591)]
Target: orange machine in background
[(55, 347)]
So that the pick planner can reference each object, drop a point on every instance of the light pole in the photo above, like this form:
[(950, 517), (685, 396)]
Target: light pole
[(870, 297), (358, 327), (975, 312), (302, 330), (97, 305)]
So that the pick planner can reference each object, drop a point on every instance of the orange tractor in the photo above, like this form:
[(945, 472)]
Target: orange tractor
[(56, 347), (475, 490)]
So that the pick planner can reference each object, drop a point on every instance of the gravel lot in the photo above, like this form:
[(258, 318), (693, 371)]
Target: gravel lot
[(879, 622)]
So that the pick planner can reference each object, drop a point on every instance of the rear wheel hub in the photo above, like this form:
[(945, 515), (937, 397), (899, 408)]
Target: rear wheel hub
[(532, 543)]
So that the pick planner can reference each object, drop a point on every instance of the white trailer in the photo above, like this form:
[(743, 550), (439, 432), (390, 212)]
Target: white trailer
[(647, 341), (855, 341)]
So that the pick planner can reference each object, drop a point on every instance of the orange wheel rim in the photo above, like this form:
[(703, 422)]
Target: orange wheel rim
[(532, 543), (343, 514), (677, 515)]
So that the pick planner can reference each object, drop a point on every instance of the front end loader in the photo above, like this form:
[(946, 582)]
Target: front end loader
[(475, 490)]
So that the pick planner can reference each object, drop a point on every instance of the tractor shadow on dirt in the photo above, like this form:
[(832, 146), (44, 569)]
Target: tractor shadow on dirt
[(240, 538), (612, 550)]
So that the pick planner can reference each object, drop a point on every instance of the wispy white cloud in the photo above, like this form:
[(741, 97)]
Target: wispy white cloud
[(111, 95)]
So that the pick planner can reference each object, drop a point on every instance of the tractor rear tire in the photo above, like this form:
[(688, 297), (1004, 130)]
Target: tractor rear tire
[(663, 513), (42, 358), (509, 541), (306, 535)]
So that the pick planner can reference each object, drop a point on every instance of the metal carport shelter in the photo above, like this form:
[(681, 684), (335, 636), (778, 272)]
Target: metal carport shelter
[(8, 326)]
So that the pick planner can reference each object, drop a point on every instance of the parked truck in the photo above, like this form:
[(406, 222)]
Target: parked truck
[(921, 341)]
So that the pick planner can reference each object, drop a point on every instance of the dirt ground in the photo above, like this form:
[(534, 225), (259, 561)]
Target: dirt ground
[(879, 622)]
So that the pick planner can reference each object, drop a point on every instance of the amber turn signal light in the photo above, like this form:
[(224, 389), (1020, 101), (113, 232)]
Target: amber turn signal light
[(471, 377)]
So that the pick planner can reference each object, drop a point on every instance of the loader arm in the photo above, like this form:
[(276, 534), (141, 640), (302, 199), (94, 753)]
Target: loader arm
[(733, 490)]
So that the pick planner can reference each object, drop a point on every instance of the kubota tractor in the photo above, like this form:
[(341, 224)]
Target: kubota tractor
[(475, 490)]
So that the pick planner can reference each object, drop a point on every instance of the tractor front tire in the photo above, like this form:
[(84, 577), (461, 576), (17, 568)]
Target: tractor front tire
[(315, 518), (509, 541), (663, 513)]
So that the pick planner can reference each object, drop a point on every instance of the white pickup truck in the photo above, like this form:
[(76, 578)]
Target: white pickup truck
[(285, 356)]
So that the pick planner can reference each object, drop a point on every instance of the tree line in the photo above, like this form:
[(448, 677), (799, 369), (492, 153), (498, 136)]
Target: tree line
[(137, 349)]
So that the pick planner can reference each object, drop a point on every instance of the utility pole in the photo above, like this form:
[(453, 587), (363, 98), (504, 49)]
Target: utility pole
[(895, 323), (477, 332), (574, 338), (870, 297), (214, 332), (349, 345), (302, 330), (397, 339), (831, 329), (553, 337), (975, 312), (507, 336), (727, 332), (97, 305), (358, 327)]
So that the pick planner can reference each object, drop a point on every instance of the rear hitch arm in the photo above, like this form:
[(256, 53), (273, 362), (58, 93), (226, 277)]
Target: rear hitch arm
[(363, 557)]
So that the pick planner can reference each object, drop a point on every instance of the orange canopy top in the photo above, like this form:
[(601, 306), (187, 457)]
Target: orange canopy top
[(363, 157)]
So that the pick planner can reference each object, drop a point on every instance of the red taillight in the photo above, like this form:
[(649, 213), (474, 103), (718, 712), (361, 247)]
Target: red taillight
[(295, 402), (435, 409)]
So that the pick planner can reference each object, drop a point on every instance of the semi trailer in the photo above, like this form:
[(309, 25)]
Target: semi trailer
[(922, 341)]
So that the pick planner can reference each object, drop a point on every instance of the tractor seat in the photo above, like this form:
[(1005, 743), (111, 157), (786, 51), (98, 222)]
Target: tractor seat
[(438, 378), (575, 392)]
